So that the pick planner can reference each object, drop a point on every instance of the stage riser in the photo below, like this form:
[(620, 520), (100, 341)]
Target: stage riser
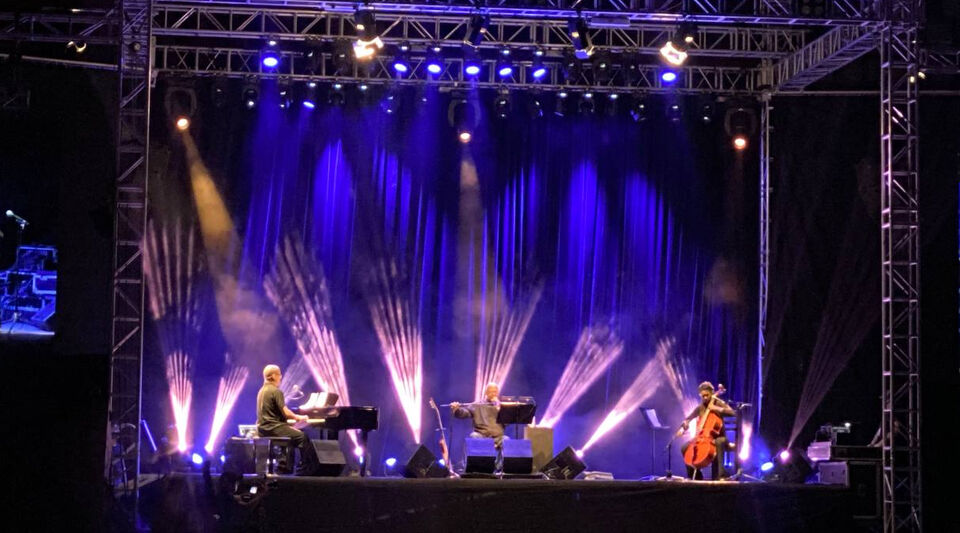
[(442, 505)]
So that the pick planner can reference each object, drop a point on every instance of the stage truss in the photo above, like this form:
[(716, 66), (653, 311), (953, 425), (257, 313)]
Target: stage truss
[(757, 48)]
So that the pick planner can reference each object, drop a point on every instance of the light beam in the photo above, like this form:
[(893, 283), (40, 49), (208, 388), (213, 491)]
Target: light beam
[(597, 348), (643, 386), (179, 370), (500, 340), (231, 383)]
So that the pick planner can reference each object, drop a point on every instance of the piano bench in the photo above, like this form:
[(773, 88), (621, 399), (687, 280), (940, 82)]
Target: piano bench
[(274, 455)]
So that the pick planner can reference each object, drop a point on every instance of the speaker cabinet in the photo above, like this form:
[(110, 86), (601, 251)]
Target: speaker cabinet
[(330, 458), (566, 465), (481, 456), (541, 443), (424, 464), (517, 457)]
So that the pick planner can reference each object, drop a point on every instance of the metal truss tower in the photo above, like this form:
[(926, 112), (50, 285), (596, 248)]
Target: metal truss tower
[(900, 270), (130, 204)]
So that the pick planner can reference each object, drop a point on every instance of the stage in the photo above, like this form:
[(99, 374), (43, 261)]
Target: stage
[(185, 502)]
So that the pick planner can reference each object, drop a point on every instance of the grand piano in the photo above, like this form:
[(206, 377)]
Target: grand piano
[(330, 419)]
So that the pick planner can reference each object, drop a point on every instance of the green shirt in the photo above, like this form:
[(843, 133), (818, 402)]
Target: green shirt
[(270, 408)]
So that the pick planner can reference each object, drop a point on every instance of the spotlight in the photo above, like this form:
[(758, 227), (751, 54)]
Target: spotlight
[(465, 136), (580, 36), (182, 123), (434, 60), (766, 467), (463, 114), (639, 110), (471, 62), (673, 53), (475, 29), (561, 105), (579, 453), (285, 100), (401, 64), (535, 106), (218, 94), (270, 56), (196, 459), (687, 33), (336, 97), (504, 66), (612, 104), (251, 94), (706, 112), (363, 87), (366, 23), (538, 70), (358, 451), (784, 456), (364, 49), (601, 67), (391, 462), (674, 112), (571, 67), (502, 105), (587, 105), (668, 76), (740, 122), (310, 95), (78, 46), (342, 50), (390, 103), (181, 105)]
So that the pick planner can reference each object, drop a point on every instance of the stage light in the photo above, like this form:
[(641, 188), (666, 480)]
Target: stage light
[(230, 386), (310, 95), (561, 104), (434, 61), (784, 455), (442, 462), (601, 67), (218, 94), (78, 46), (364, 50), (706, 112), (284, 99), (391, 462), (179, 372), (668, 76), (363, 87), (506, 326), (745, 441), (674, 112), (535, 106), (270, 56), (579, 453), (182, 123), (196, 458), (538, 70), (687, 32), (571, 67), (766, 467), (471, 62), (342, 51), (250, 96), (587, 105), (465, 136), (580, 36), (639, 111), (368, 40), (740, 142), (673, 53), (358, 451), (401, 63), (740, 122), (476, 28), (502, 105), (504, 66), (390, 103)]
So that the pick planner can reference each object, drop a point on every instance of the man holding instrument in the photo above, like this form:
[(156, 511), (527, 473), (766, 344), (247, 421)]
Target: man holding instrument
[(484, 415), (709, 403)]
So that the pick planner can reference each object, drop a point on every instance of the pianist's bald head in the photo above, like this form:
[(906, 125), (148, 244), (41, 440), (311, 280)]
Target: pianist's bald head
[(272, 374)]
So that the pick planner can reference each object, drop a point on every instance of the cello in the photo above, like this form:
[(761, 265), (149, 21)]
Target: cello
[(702, 449)]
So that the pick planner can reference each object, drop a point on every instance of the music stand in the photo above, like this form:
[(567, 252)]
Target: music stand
[(653, 422), (520, 411)]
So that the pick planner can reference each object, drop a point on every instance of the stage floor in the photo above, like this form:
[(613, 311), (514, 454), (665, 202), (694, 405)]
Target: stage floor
[(186, 502)]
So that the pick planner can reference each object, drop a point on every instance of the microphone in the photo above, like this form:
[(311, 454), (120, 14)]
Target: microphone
[(20, 220)]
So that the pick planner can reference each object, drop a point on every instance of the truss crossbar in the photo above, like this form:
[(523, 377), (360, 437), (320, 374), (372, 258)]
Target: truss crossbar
[(96, 27), (826, 54), (900, 267), (836, 12)]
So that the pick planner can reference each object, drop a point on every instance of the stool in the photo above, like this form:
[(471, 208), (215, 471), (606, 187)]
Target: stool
[(274, 455)]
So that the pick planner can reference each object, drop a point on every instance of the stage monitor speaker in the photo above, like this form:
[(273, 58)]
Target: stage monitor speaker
[(861, 476), (566, 465), (239, 456), (517, 456), (541, 443), (424, 464), (481, 456), (330, 458)]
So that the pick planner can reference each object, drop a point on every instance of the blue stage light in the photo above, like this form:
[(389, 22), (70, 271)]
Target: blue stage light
[(391, 462), (539, 72), (434, 67), (401, 66), (766, 467), (504, 70), (309, 104), (196, 459), (269, 56), (471, 69), (668, 76)]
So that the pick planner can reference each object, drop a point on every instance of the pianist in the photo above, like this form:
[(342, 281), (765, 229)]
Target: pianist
[(272, 415), (484, 415)]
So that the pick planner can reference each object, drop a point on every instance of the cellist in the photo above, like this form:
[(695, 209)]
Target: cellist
[(709, 402)]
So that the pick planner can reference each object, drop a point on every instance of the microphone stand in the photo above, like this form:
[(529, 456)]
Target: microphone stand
[(21, 224)]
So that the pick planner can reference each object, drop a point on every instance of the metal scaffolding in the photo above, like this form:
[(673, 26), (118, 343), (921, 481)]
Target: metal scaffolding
[(130, 204), (900, 265), (760, 48)]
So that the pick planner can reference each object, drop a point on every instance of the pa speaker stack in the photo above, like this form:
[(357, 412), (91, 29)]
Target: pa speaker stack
[(482, 456)]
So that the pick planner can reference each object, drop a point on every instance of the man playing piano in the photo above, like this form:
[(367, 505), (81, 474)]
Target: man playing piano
[(272, 416), (484, 415)]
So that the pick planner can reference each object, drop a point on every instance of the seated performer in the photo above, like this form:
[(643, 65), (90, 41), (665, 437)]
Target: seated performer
[(484, 415), (722, 409), (272, 416)]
